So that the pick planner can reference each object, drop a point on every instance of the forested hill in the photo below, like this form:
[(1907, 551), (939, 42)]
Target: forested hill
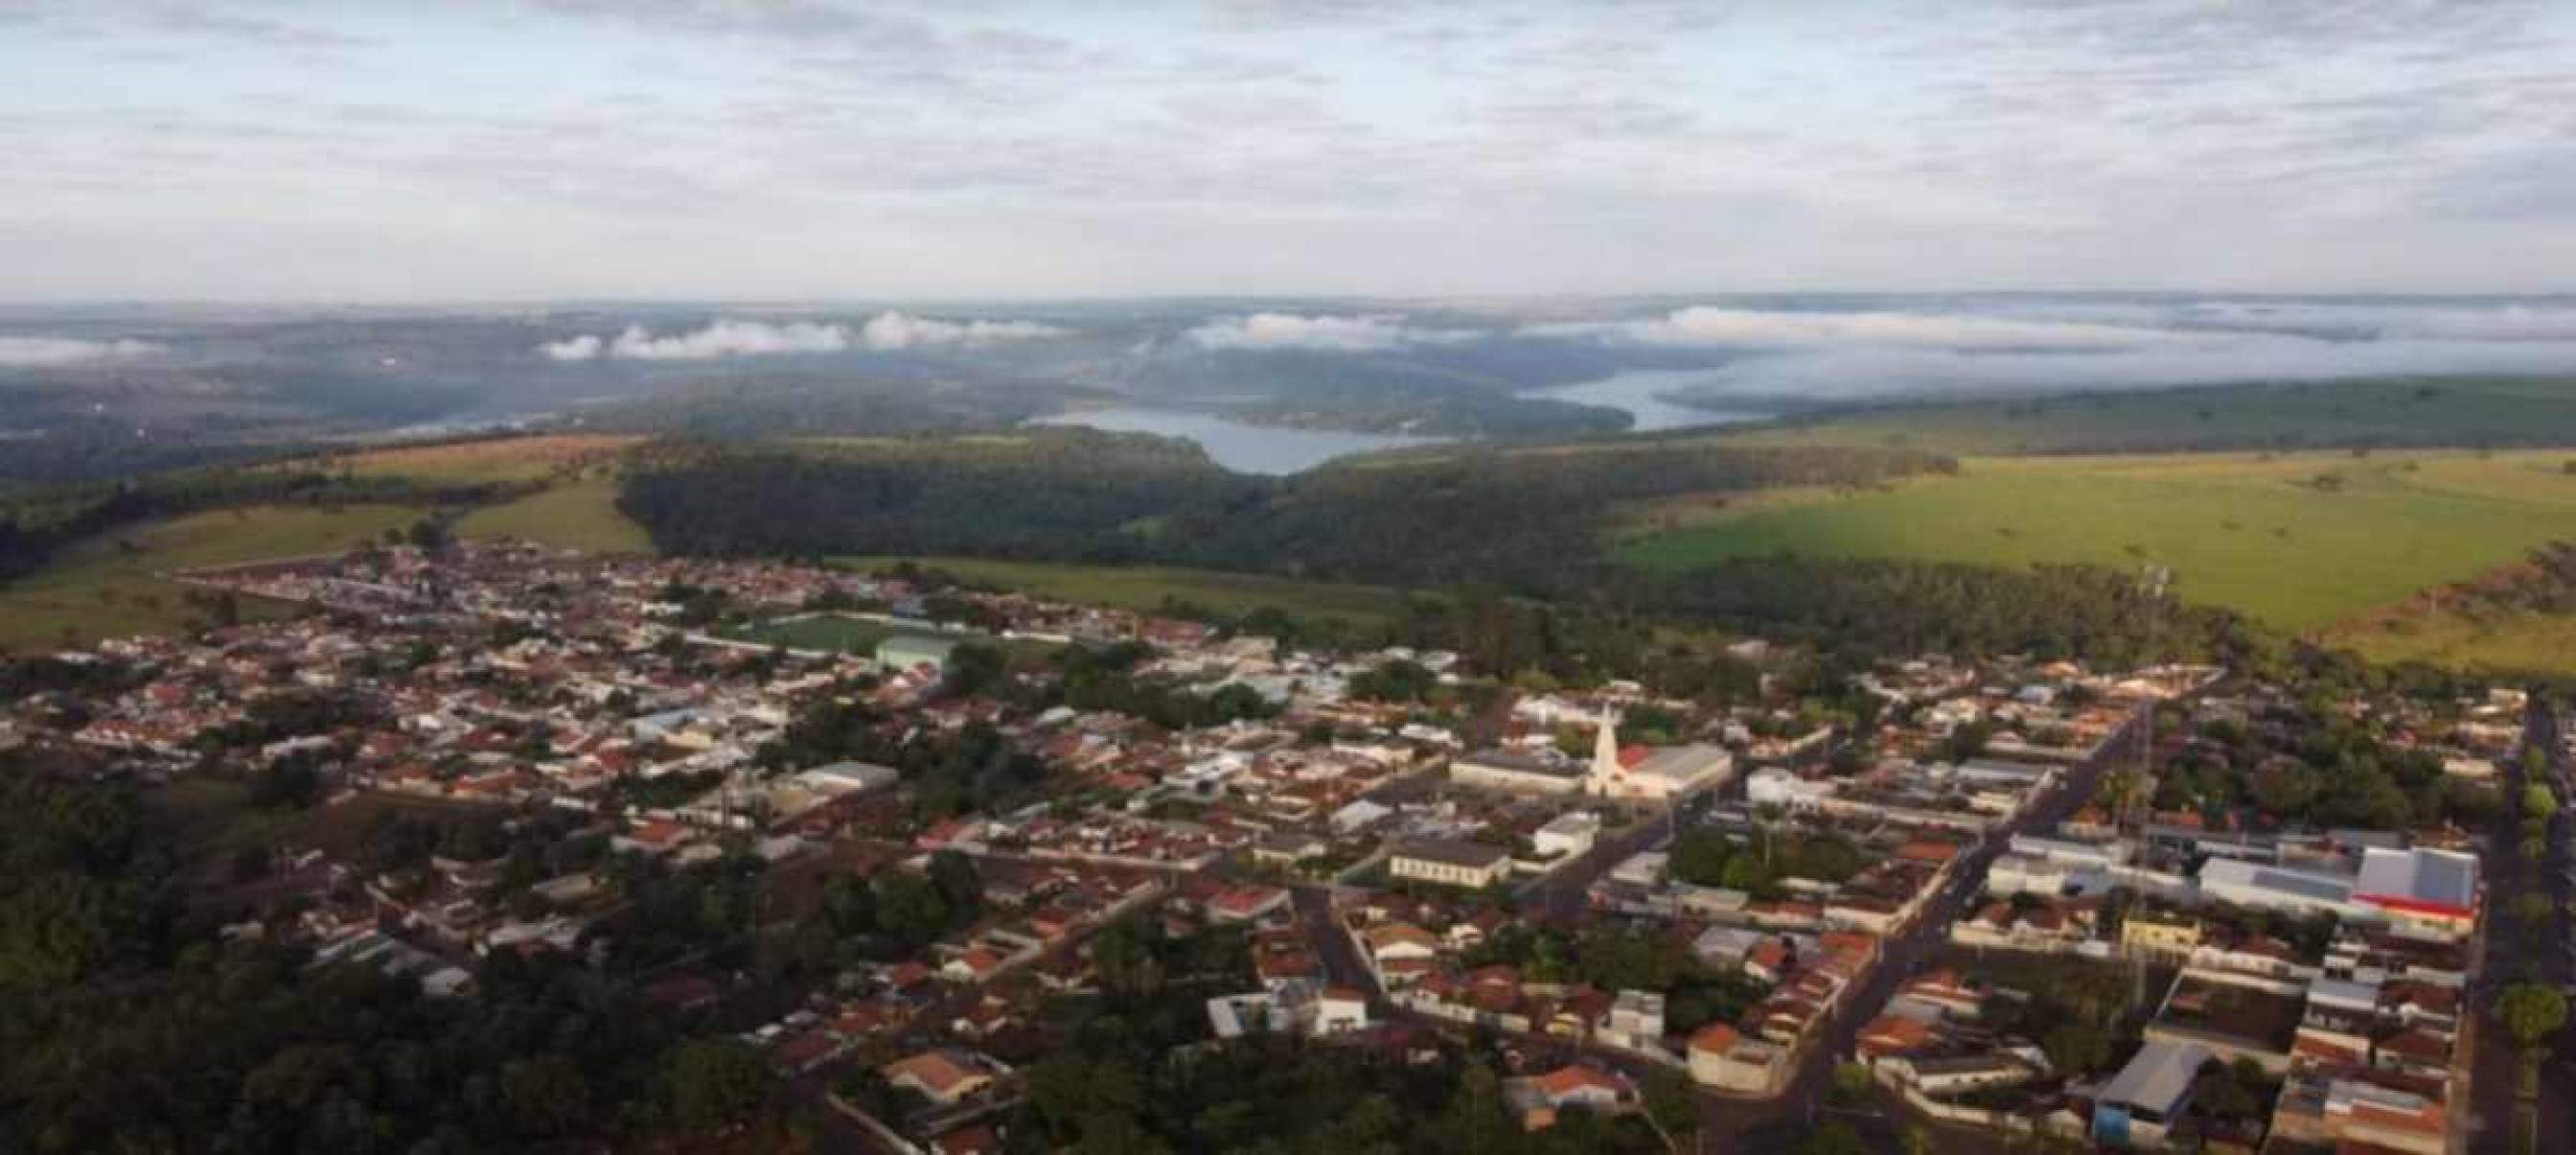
[(1510, 519), (1518, 522)]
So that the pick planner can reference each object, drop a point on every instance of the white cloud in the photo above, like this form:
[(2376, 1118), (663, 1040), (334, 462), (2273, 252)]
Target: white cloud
[(1708, 326), (582, 348), (727, 337), (904, 331), (1887, 372), (45, 352), (730, 338), (1352, 334)]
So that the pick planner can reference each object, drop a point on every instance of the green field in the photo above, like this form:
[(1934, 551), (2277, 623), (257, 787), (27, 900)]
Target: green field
[(831, 632), (1148, 588), (111, 586), (2256, 533), (2283, 416), (580, 514), (523, 458)]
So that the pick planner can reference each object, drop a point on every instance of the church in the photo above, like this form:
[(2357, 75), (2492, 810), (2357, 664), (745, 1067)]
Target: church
[(1652, 773)]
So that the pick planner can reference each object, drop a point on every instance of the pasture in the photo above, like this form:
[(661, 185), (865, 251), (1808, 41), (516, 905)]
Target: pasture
[(2298, 541), (113, 585), (577, 514), (526, 458)]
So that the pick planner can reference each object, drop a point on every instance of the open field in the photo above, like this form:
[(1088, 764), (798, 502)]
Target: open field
[(2284, 416), (2300, 541), (2525, 643), (831, 632), (1147, 588), (579, 514), (487, 459), (111, 586)]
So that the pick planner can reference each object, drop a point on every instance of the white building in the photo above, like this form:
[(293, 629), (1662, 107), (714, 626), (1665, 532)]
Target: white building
[(1777, 787), (1567, 835)]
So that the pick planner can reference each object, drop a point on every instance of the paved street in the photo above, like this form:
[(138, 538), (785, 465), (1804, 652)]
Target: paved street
[(2516, 951), (1729, 1125)]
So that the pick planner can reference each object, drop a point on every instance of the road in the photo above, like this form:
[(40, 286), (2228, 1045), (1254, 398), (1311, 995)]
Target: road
[(2516, 950), (1729, 1125)]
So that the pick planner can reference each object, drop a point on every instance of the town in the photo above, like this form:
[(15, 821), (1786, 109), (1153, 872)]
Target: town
[(900, 838)]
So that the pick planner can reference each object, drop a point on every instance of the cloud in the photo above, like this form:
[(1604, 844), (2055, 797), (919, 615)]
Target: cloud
[(48, 352), (1888, 372), (726, 337), (2042, 345), (1705, 326), (581, 348), (1342, 334), (889, 331), (730, 338)]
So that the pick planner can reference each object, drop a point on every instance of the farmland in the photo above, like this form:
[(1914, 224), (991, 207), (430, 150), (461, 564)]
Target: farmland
[(2280, 416), (1150, 588), (485, 459), (578, 514), (112, 586), (2299, 541)]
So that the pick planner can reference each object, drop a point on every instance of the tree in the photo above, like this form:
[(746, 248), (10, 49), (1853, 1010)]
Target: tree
[(2122, 790), (1833, 1139), (2531, 1013), (714, 1083), (2075, 1046), (548, 1096)]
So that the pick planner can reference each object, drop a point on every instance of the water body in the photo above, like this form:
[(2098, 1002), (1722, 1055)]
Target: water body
[(1635, 391), (1247, 448), (1236, 445)]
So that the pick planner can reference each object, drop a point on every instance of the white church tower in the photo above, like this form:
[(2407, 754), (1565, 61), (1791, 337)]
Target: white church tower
[(1609, 778)]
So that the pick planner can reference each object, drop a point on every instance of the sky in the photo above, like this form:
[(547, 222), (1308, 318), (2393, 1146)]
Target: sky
[(812, 150)]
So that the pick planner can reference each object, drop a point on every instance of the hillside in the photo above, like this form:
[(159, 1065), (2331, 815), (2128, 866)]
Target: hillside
[(2431, 412), (2299, 541)]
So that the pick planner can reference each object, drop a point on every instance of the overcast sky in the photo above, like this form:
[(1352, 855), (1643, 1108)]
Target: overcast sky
[(808, 149)]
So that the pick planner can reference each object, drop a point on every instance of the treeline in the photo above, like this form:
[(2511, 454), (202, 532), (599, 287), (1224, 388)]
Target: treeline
[(124, 1027), (1515, 519), (1055, 494), (1510, 540)]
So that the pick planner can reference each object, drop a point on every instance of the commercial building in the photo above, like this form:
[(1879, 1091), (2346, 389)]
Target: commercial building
[(1450, 862)]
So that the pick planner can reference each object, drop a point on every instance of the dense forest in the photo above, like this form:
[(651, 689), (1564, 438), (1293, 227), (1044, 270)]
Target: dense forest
[(1496, 532), (1514, 518)]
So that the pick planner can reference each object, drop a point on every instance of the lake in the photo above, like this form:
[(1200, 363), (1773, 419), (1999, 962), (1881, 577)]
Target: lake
[(1238, 446), (1247, 448), (1635, 392)]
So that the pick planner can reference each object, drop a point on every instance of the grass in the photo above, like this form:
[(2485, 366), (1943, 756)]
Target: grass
[(2251, 532), (488, 459), (2452, 411), (113, 585), (830, 632), (579, 514), (1148, 588)]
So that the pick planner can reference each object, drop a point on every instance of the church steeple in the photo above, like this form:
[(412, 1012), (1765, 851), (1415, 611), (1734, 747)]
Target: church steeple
[(1605, 751)]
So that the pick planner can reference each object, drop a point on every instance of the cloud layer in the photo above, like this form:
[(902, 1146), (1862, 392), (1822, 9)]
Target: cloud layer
[(46, 352), (727, 337), (2040, 345), (1321, 332), (1011, 149)]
